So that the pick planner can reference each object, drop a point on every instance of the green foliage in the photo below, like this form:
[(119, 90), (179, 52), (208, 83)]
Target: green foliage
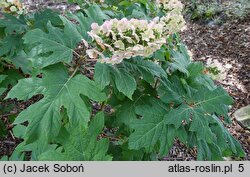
[(152, 101), (81, 144), (59, 90), (2, 78), (9, 77), (89, 15), (54, 46)]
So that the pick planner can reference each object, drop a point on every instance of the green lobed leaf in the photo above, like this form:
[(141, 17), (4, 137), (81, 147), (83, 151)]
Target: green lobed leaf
[(10, 45), (79, 144), (42, 17), (171, 91), (93, 14), (176, 116), (181, 62), (29, 86), (212, 101), (147, 69), (225, 140), (150, 128), (126, 113), (13, 24), (23, 61), (55, 46), (59, 89)]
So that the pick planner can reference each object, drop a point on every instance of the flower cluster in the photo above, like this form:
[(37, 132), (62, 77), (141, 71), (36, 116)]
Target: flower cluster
[(116, 40), (119, 39), (11, 6), (173, 19), (170, 5), (173, 22)]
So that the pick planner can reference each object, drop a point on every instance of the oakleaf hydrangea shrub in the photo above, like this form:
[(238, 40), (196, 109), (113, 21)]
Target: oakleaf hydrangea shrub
[(126, 58)]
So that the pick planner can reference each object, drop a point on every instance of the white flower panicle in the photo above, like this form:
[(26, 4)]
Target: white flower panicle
[(120, 39), (12, 6), (174, 20), (170, 5)]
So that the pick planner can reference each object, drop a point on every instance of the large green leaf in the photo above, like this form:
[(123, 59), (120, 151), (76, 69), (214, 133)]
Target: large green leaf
[(202, 104), (182, 113), (79, 144), (125, 72), (10, 45), (171, 91), (124, 82), (55, 46), (147, 69), (126, 113), (181, 62), (150, 128), (225, 140), (41, 19), (212, 101), (29, 86), (13, 24), (59, 89), (102, 74), (200, 125), (23, 61), (93, 14)]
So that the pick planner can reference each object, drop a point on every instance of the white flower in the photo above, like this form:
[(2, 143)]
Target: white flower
[(147, 35), (13, 9), (95, 27), (129, 39), (119, 44)]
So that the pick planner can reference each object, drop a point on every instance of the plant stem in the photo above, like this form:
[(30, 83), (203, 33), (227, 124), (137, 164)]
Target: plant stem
[(76, 69), (156, 83)]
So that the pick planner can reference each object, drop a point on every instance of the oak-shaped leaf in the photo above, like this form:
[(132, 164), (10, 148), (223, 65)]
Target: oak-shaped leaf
[(81, 144), (151, 128), (59, 90), (55, 46)]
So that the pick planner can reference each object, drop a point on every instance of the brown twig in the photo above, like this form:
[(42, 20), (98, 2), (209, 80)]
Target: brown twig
[(110, 137), (8, 142)]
